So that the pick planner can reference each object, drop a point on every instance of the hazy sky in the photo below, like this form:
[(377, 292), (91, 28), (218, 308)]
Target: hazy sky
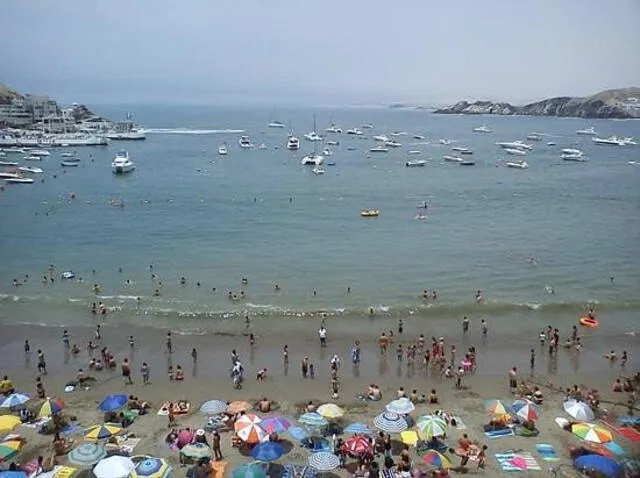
[(313, 51)]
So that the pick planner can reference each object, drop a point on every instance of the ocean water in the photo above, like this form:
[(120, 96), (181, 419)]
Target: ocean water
[(259, 214)]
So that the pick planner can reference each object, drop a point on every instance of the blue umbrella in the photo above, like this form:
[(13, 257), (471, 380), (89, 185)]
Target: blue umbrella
[(359, 428), (113, 403), (313, 419), (14, 400), (268, 451), (87, 454), (252, 470), (601, 464), (298, 433)]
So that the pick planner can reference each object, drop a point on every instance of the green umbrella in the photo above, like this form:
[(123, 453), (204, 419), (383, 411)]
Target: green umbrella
[(251, 470)]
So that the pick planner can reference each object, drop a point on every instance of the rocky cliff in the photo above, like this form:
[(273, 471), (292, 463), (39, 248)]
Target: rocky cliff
[(620, 103)]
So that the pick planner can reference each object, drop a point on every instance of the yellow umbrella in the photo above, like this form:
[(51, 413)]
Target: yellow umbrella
[(99, 432), (409, 437), (8, 422), (9, 448), (330, 410)]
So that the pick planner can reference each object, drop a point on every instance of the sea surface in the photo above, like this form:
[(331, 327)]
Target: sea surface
[(539, 243)]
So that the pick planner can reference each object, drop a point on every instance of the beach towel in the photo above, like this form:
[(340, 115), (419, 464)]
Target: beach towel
[(547, 452), (522, 461), (629, 420), (629, 433), (164, 409), (506, 432)]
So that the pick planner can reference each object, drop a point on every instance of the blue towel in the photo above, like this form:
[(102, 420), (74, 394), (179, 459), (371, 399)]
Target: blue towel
[(499, 433), (629, 421), (547, 452)]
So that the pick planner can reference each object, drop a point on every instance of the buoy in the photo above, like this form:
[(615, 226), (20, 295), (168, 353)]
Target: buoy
[(588, 321)]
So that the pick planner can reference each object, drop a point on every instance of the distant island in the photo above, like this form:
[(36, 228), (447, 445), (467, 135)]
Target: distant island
[(618, 103)]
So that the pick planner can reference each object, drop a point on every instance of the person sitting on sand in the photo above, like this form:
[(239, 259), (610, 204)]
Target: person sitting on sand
[(75, 350), (538, 398), (179, 373), (413, 396), (261, 374), (264, 405), (433, 397), (401, 393), (617, 386), (373, 393), (310, 407), (611, 356), (6, 386)]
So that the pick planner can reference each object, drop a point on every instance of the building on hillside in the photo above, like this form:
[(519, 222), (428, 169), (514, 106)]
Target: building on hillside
[(27, 110)]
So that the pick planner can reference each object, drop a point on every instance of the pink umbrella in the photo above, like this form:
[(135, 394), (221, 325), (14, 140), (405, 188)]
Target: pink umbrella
[(184, 437)]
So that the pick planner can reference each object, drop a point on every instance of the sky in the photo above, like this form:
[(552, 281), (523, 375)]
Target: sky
[(309, 51)]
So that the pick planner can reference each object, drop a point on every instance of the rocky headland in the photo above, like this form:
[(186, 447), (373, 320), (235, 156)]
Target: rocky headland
[(618, 103)]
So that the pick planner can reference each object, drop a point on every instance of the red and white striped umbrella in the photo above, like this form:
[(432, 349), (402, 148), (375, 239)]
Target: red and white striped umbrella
[(357, 445), (248, 428)]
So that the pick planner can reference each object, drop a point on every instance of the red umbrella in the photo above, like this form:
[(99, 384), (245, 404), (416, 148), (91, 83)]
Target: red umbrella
[(185, 437), (357, 445)]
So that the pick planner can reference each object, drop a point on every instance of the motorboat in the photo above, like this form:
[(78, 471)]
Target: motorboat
[(32, 158), (628, 141), (354, 132), (398, 133), (19, 180), (245, 143), (122, 164), (370, 212), (379, 149), (126, 131), (415, 164), (275, 124), (418, 136), (29, 169), (69, 164), (574, 158), (514, 145), (445, 142), (333, 129), (8, 163), (392, 144), (462, 150), (551, 143), (567, 152), (515, 152), (367, 126), (381, 138), (482, 129), (15, 150), (262, 146), (222, 150), (317, 170), (610, 141), (517, 164), (67, 155), (453, 159), (327, 152), (420, 216), (9, 175), (312, 159), (414, 151), (39, 152), (468, 162), (313, 136), (293, 143), (534, 137), (332, 143), (590, 131)]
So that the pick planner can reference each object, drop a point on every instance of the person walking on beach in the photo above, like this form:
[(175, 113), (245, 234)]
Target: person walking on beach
[(285, 355), (532, 360), (42, 364), (485, 329), (305, 367), (27, 348), (465, 325), (169, 343), (146, 372), (98, 334), (215, 444), (513, 379), (322, 333), (400, 326), (126, 372), (132, 343), (194, 355), (65, 338)]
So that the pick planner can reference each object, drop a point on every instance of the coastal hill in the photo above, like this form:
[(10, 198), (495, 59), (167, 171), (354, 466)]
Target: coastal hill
[(618, 103), (7, 95)]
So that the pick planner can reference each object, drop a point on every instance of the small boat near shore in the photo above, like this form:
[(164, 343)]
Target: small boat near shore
[(416, 163), (8, 163), (610, 141), (515, 152), (379, 149), (462, 150), (122, 164), (70, 164), (590, 131), (29, 169), (222, 150), (482, 129), (32, 158), (517, 164), (453, 159), (468, 162), (19, 180), (245, 143), (370, 212)]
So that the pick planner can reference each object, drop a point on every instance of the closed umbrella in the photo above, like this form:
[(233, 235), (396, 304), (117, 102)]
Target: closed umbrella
[(113, 403), (401, 406), (114, 467), (601, 464), (213, 407), (526, 409), (9, 449), (591, 432), (359, 428), (238, 406), (267, 451), (252, 470), (313, 419), (14, 400), (431, 426), (324, 461), (8, 422), (101, 432), (51, 406), (357, 445), (330, 410), (152, 468), (196, 451), (390, 422), (579, 410), (87, 454), (275, 424), (248, 428)]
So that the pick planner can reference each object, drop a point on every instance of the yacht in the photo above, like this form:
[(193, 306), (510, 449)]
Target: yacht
[(611, 141), (312, 159), (8, 175), (367, 126), (379, 149), (482, 129), (222, 150), (462, 150), (514, 145), (534, 137), (313, 136), (245, 143), (19, 180), (8, 163), (327, 152), (39, 152), (416, 163), (392, 144), (317, 170), (122, 164), (452, 159), (32, 158), (354, 131), (293, 143), (29, 169), (628, 141), (517, 164), (126, 131), (275, 124), (570, 152), (333, 129), (14, 150), (515, 152), (445, 142), (590, 131), (381, 137)]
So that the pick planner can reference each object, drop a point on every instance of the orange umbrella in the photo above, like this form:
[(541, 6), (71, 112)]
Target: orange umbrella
[(237, 406), (248, 428)]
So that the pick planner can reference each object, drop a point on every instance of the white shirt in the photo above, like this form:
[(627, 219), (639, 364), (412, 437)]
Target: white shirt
[(322, 333)]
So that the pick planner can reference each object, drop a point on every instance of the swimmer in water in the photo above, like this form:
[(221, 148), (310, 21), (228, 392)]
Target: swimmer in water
[(479, 297)]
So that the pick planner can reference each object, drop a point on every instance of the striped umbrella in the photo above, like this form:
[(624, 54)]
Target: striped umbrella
[(238, 406), (8, 449), (87, 454), (99, 432), (252, 470), (9, 422), (390, 422), (275, 424), (152, 468), (591, 432), (431, 426), (401, 406), (324, 461), (51, 406), (330, 410), (299, 471), (357, 445), (14, 400), (267, 451), (196, 451), (495, 407), (313, 419), (436, 460), (213, 407), (359, 428), (526, 410), (248, 428)]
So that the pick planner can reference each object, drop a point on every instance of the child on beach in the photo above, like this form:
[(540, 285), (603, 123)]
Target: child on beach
[(312, 372), (482, 456)]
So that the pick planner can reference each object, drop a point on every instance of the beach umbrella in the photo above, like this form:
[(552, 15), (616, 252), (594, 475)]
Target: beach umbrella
[(213, 407), (114, 467), (298, 433), (601, 464), (113, 403), (330, 410), (299, 471), (87, 454), (313, 419), (359, 428), (390, 422), (591, 432), (14, 400), (267, 451), (248, 428), (431, 426), (526, 410), (99, 432), (184, 437), (152, 468), (196, 451), (8, 422), (275, 424), (51, 406), (401, 406), (9, 449), (496, 407), (324, 461), (237, 406), (579, 410), (409, 437), (357, 445), (436, 459), (252, 470)]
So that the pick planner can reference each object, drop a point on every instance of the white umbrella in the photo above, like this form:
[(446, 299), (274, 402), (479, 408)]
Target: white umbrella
[(213, 407), (579, 410), (114, 467), (324, 461), (401, 406), (390, 422)]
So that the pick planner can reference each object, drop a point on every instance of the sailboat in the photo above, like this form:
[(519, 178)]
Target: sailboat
[(314, 158), (313, 136), (275, 124)]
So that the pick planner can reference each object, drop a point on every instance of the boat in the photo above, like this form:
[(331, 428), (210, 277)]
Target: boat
[(293, 143), (262, 146), (122, 164), (332, 143), (333, 129), (245, 143), (462, 150), (628, 141), (515, 152), (379, 149), (29, 169), (420, 216), (610, 141), (398, 133), (574, 158), (327, 152), (517, 164), (317, 170), (354, 132), (414, 151), (534, 137), (370, 212), (15, 150), (32, 158), (418, 136), (19, 180), (53, 140), (415, 163), (67, 155), (275, 124), (551, 143), (8, 175), (313, 158), (313, 136), (71, 160), (69, 164), (468, 162), (445, 142), (590, 131), (381, 138), (126, 131), (68, 275), (570, 154), (392, 144), (367, 126), (514, 145), (453, 159), (482, 129), (222, 150), (39, 152), (8, 163), (588, 321)]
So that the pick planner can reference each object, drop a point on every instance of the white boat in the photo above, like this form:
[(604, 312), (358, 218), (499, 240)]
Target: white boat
[(392, 144), (515, 152), (551, 143), (354, 132), (610, 141), (245, 143), (453, 159), (122, 164), (8, 163), (333, 129), (571, 151), (379, 149), (590, 131), (313, 136), (293, 143), (39, 152), (222, 150), (416, 163), (381, 138), (367, 126), (570, 154), (15, 150), (275, 124), (262, 146), (414, 151), (462, 150), (482, 129), (418, 136), (70, 163), (7, 175), (445, 142), (517, 164), (468, 162), (514, 145), (318, 170), (332, 143), (312, 159), (628, 141), (19, 180), (534, 137), (398, 133), (29, 169), (327, 152), (126, 131), (32, 158), (67, 155)]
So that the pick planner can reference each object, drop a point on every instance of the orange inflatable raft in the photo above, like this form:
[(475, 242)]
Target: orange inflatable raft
[(588, 321)]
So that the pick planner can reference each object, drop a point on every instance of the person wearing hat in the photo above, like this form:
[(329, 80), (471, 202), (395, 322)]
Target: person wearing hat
[(201, 437)]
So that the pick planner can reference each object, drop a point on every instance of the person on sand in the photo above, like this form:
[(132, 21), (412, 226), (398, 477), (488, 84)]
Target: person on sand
[(215, 445), (482, 456), (433, 396), (322, 334), (401, 393), (611, 356), (513, 379), (310, 407), (179, 373), (146, 372), (383, 342), (126, 372), (261, 374), (264, 405)]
